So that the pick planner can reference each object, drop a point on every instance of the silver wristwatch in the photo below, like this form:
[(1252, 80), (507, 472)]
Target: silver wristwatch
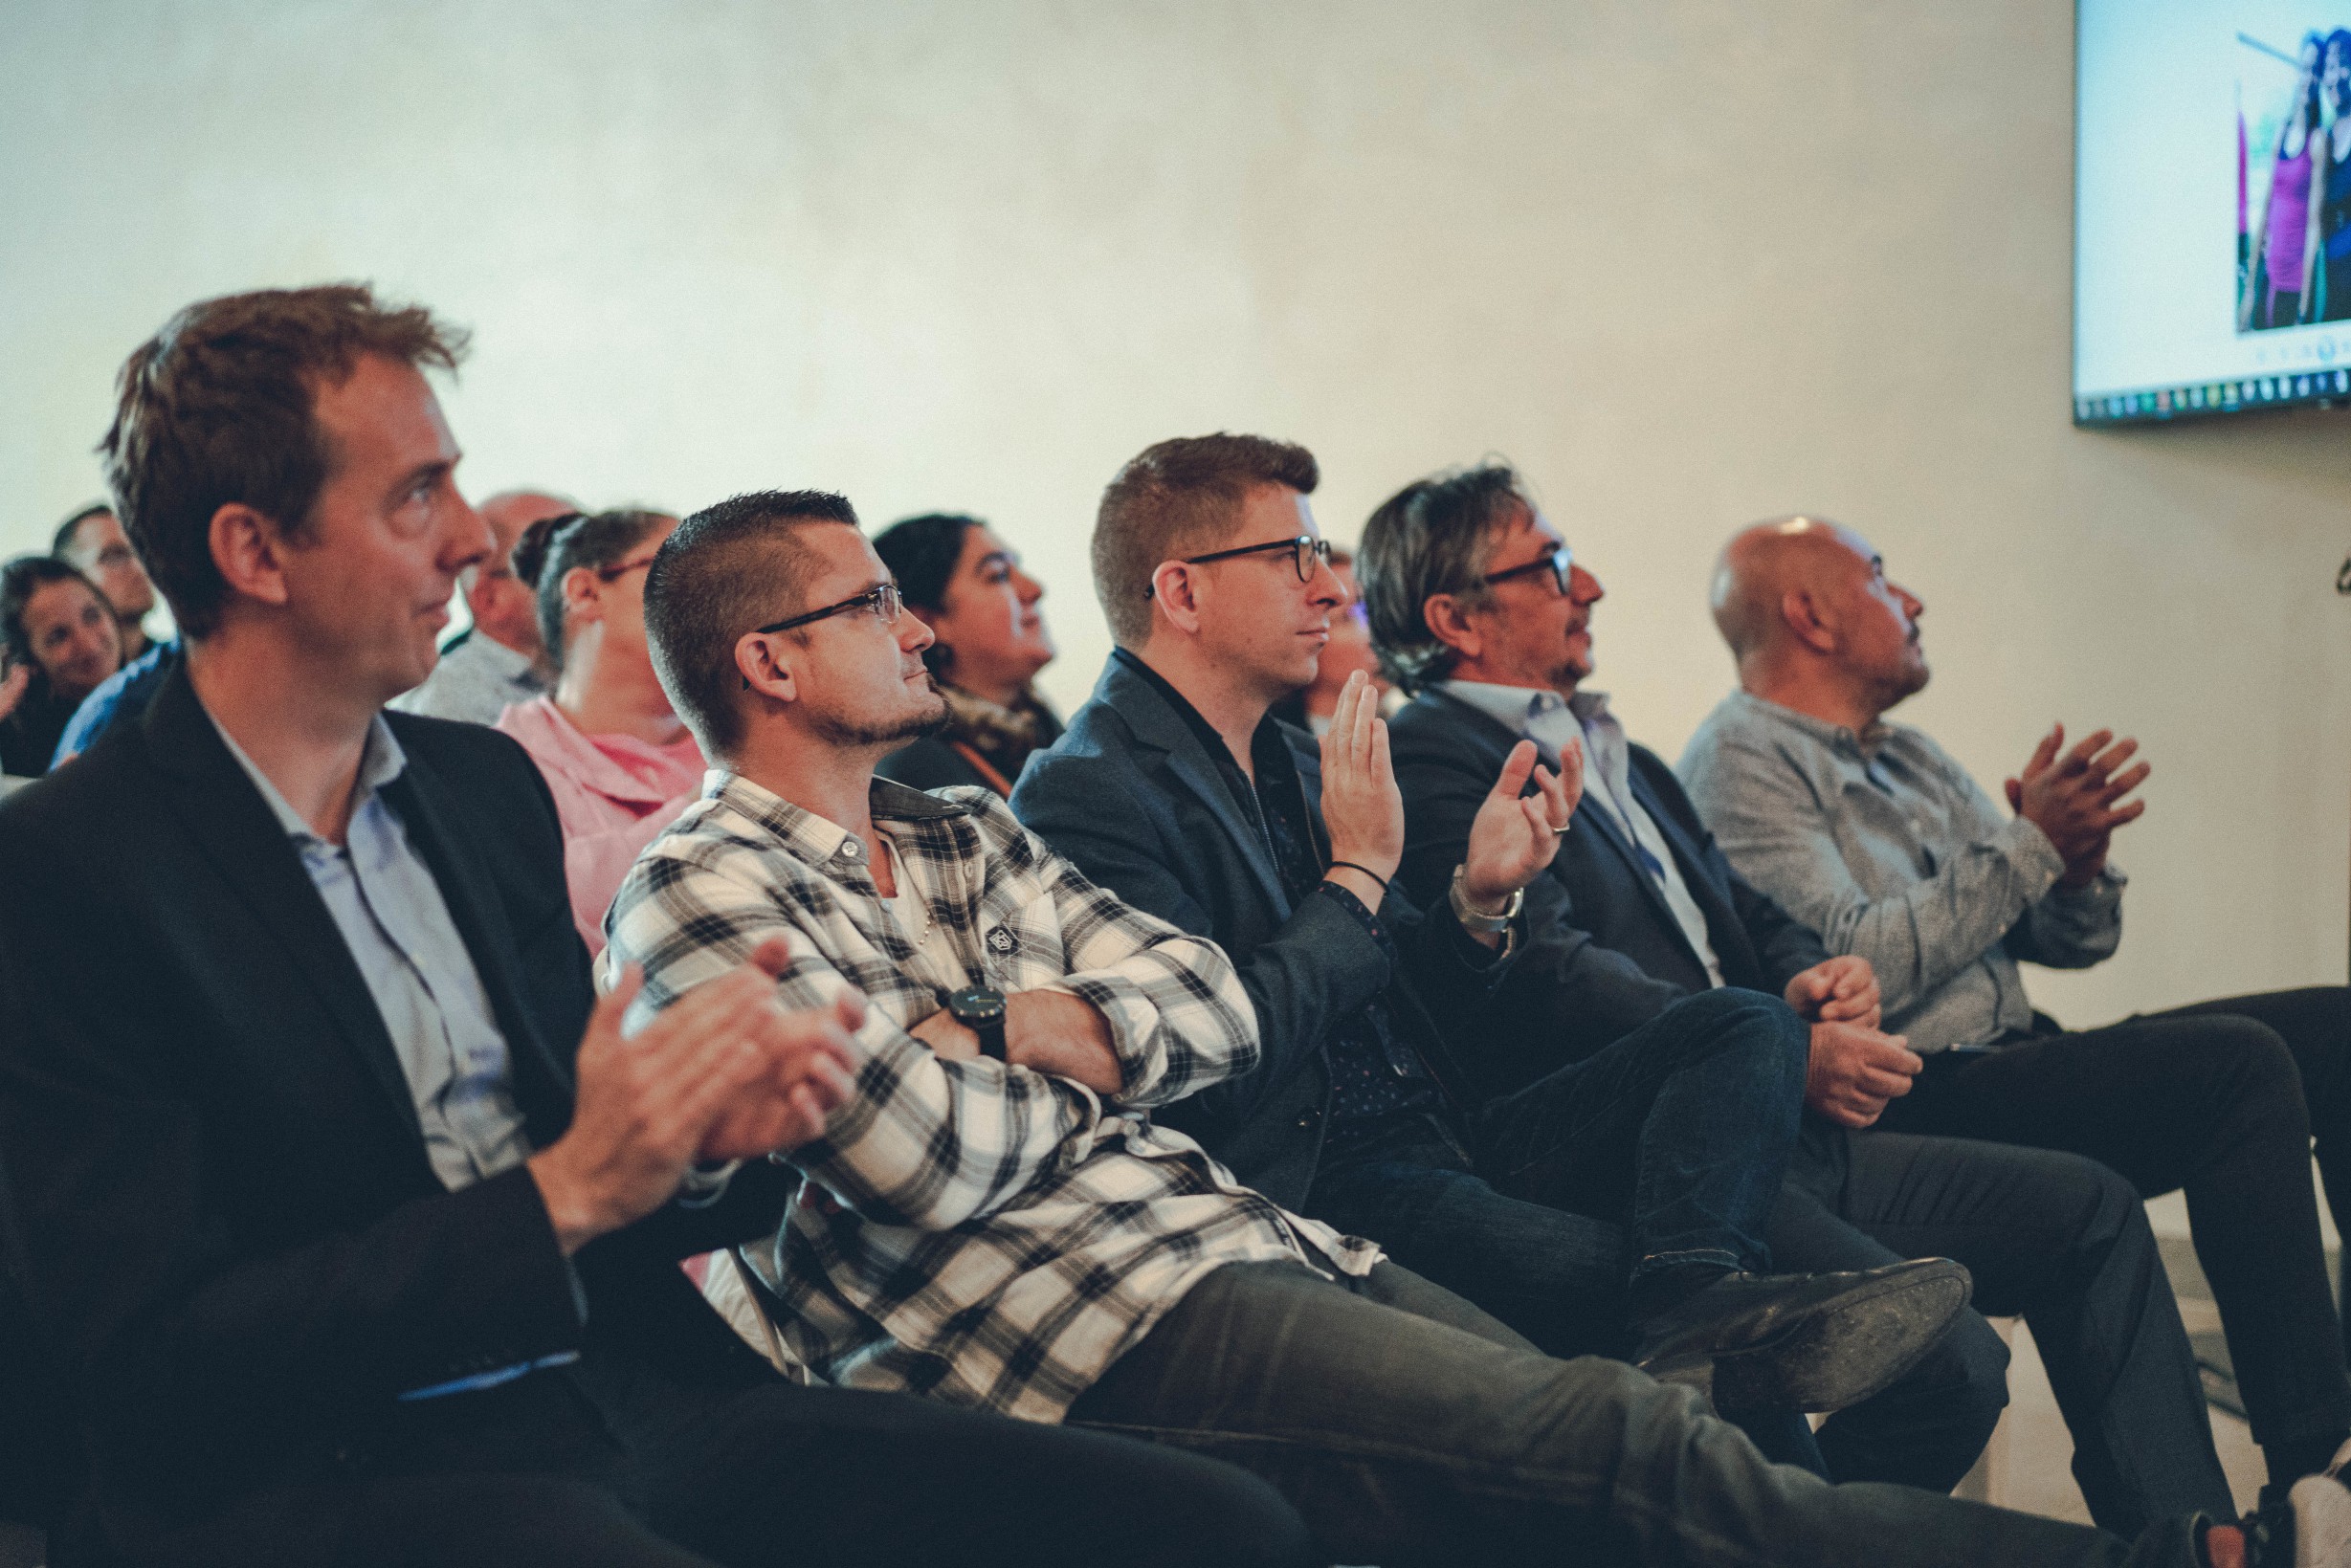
[(1477, 921)]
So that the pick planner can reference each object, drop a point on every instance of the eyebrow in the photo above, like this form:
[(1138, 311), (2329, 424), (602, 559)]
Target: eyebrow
[(993, 556)]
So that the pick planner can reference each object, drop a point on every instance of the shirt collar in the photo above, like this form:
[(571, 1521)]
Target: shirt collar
[(511, 663), (1861, 742), (815, 841), (1520, 708), (379, 764)]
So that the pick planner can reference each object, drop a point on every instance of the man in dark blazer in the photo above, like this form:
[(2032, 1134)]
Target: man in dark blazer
[(1478, 608), (1174, 789), (350, 1217)]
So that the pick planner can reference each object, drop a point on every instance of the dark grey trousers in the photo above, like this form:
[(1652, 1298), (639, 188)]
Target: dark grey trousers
[(1409, 1427)]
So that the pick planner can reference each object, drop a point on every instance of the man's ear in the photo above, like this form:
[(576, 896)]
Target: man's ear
[(249, 551), (762, 672), (1175, 593), (1441, 613), (1801, 614)]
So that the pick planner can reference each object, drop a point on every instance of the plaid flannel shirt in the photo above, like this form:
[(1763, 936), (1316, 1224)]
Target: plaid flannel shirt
[(984, 1234)]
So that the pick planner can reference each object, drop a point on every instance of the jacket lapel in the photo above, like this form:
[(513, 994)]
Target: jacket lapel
[(1186, 760), (542, 1081), (234, 829)]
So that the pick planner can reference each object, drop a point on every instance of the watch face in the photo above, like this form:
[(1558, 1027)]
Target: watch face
[(976, 1006)]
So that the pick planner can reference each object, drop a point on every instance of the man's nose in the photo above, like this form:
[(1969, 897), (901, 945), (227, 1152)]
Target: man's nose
[(1324, 587), (1583, 588), (1911, 602), (1028, 589), (469, 537), (914, 633)]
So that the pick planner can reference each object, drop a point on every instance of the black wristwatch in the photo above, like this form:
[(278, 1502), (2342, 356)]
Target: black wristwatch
[(981, 1010)]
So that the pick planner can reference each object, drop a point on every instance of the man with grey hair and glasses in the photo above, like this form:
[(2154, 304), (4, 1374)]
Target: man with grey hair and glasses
[(1479, 608)]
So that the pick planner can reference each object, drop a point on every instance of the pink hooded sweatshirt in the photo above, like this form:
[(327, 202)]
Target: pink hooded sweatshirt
[(615, 794)]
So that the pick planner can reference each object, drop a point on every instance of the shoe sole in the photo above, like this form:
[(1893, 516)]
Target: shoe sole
[(1837, 1355)]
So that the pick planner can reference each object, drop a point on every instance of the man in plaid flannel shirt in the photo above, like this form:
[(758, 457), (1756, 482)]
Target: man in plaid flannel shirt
[(992, 1220)]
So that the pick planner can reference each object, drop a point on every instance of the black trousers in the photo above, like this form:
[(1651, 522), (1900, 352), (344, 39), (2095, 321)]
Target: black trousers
[(2057, 1238), (646, 1474), (2220, 1100)]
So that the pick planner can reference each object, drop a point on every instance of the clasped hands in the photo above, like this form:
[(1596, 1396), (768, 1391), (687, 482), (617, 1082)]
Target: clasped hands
[(2076, 799), (726, 1072), (1511, 839), (1855, 1068)]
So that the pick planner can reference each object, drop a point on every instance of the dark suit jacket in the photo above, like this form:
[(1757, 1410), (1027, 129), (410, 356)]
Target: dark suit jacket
[(1131, 795), (1604, 954), (238, 1249)]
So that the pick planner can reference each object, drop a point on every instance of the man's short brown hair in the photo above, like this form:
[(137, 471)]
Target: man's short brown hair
[(218, 409), (1177, 498)]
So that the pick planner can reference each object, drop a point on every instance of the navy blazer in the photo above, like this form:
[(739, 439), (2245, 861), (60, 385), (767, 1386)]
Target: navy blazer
[(238, 1249), (1604, 954), (1132, 797)]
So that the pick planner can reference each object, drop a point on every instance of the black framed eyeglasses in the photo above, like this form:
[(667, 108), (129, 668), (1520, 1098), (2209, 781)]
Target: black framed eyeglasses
[(1305, 550), (1560, 562), (882, 599)]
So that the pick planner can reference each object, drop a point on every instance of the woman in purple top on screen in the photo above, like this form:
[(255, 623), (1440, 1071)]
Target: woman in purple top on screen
[(2275, 294), (2328, 297)]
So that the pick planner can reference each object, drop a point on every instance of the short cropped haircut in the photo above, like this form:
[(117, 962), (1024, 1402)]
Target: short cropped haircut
[(1435, 536), (1177, 498), (71, 528), (218, 408), (729, 569), (594, 540)]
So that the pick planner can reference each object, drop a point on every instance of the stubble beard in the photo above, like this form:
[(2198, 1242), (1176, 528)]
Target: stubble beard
[(847, 732)]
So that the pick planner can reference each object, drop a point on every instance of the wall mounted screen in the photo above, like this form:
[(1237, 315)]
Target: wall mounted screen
[(2211, 207)]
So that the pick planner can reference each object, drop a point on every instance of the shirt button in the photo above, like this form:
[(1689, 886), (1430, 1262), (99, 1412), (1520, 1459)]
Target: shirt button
[(1308, 1120), (850, 849)]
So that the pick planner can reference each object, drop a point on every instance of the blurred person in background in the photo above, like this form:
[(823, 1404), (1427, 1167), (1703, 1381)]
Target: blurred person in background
[(61, 639), (619, 762), (966, 585), (92, 541), (496, 662)]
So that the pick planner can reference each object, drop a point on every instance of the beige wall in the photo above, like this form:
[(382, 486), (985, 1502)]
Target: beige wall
[(1688, 264)]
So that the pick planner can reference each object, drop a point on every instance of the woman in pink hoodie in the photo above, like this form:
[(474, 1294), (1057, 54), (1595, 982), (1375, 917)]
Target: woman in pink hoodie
[(620, 763)]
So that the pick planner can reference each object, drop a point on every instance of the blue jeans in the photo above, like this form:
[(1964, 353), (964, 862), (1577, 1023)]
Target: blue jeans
[(1688, 1120), (1409, 1427)]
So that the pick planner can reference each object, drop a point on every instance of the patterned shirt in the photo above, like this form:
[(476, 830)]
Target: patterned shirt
[(1886, 847), (974, 1231)]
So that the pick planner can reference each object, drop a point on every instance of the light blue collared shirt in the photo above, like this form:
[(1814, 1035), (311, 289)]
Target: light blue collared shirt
[(397, 926), (1553, 723)]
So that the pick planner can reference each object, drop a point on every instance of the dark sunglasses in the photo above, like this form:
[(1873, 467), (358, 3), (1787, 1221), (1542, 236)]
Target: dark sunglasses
[(1305, 550), (1559, 562), (882, 599)]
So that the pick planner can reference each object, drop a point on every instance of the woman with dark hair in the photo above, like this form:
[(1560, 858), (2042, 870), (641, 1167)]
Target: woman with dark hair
[(2274, 294), (62, 641), (619, 762), (2328, 296), (958, 576)]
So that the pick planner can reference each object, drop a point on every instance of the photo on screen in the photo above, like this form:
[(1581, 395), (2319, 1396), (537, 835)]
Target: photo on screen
[(2212, 207)]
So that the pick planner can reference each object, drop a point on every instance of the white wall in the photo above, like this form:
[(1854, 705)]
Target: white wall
[(1687, 263)]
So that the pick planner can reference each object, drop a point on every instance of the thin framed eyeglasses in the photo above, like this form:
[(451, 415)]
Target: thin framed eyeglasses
[(882, 599), (1560, 562), (1305, 550), (613, 574)]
